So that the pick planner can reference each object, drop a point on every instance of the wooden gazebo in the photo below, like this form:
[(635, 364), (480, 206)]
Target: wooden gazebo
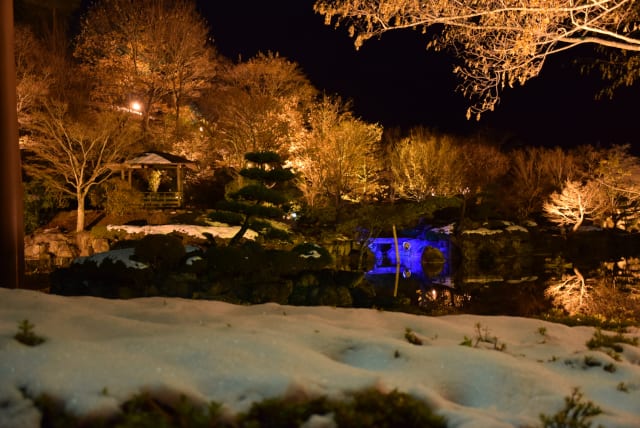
[(158, 161)]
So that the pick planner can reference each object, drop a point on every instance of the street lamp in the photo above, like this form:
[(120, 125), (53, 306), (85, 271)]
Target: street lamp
[(136, 107)]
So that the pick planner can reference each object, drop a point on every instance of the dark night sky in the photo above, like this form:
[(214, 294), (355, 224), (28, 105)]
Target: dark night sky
[(394, 81)]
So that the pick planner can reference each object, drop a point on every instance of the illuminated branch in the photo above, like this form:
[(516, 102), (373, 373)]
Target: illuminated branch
[(500, 42)]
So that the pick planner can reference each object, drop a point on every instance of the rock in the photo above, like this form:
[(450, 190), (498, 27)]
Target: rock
[(52, 248)]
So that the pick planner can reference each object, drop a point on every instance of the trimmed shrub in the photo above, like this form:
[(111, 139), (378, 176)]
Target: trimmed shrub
[(162, 252), (367, 408), (334, 296), (277, 292), (119, 197), (226, 217), (109, 279)]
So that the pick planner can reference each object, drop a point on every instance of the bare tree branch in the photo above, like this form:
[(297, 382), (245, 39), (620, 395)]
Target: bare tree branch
[(500, 42)]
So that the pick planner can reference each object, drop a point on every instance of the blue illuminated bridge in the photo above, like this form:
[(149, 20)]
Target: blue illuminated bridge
[(425, 259)]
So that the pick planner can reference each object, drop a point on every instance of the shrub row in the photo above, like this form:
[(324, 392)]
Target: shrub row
[(249, 274)]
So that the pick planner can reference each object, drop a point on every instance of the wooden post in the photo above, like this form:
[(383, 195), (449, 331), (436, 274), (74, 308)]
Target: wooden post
[(395, 242), (179, 178), (11, 208)]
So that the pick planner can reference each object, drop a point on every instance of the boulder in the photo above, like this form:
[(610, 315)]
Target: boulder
[(52, 248)]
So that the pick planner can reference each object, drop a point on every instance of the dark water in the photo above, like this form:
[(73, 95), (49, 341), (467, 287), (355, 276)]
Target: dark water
[(593, 280)]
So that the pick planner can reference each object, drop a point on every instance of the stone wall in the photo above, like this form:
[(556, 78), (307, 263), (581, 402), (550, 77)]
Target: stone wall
[(51, 249)]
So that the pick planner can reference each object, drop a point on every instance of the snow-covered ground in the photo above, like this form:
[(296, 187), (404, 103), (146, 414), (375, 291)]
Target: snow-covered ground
[(220, 230), (98, 353)]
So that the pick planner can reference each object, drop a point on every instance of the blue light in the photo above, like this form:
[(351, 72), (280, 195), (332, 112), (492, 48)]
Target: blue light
[(410, 252)]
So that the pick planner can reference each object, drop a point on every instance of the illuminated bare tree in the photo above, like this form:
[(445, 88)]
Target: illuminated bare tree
[(256, 105), (73, 154), (482, 164), (338, 159), (535, 173), (500, 42), (426, 164), (617, 175), (33, 75), (573, 205)]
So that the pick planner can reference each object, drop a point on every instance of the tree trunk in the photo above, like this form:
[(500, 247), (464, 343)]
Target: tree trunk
[(579, 221), (243, 229), (80, 217), (177, 102)]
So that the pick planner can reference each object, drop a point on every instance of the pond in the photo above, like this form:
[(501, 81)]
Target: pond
[(587, 276)]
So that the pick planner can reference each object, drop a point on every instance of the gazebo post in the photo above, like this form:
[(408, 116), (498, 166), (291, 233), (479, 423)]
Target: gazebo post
[(179, 178)]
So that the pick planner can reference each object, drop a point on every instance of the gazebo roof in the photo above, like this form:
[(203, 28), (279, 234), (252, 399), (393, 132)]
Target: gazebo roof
[(158, 159)]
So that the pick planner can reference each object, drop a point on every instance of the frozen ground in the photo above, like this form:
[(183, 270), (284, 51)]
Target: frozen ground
[(98, 353)]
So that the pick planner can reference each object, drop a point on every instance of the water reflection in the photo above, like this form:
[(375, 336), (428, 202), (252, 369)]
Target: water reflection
[(426, 260), (428, 277), (610, 290), (570, 292), (512, 285)]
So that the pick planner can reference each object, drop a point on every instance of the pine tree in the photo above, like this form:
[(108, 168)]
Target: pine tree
[(262, 196)]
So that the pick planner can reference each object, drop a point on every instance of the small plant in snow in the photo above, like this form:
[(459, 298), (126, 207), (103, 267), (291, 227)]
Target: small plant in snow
[(574, 415), (542, 331), (411, 337), (623, 387), (25, 334), (601, 340), (590, 361), (482, 335), (467, 342), (613, 354)]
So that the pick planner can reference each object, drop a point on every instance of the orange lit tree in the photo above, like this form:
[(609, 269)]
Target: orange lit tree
[(256, 105), (72, 153), (339, 157), (153, 50), (535, 173), (500, 42), (573, 205), (33, 74), (426, 164)]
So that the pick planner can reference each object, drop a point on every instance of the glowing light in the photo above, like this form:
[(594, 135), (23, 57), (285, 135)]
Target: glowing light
[(136, 106)]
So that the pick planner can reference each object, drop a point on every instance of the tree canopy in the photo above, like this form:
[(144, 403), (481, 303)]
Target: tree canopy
[(500, 42), (74, 154), (149, 51), (256, 105)]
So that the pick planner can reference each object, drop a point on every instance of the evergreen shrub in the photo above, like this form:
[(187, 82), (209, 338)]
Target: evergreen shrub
[(162, 252), (108, 279), (366, 408), (117, 197), (226, 217)]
